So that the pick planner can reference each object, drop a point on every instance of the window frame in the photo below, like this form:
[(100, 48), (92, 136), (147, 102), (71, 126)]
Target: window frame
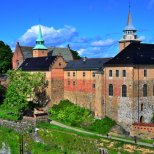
[(110, 90), (145, 73), (124, 91), (117, 73), (110, 73), (124, 73), (145, 90)]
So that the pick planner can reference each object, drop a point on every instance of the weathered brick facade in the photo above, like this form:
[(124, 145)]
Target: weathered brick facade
[(80, 89)]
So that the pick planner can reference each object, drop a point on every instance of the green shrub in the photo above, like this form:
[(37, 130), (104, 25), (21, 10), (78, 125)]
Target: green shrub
[(73, 115)]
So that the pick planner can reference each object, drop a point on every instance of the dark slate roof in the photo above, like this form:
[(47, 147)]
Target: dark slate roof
[(38, 63), (134, 54), (88, 64), (27, 51), (53, 51), (65, 52)]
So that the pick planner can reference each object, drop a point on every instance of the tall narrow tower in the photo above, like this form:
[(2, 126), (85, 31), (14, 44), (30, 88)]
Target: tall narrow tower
[(40, 50), (129, 33)]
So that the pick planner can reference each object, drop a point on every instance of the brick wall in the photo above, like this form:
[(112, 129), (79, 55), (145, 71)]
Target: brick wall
[(80, 89), (18, 57), (142, 130)]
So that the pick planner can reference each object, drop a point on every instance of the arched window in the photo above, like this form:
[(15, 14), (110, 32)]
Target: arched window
[(110, 90), (141, 119), (124, 91), (144, 90), (142, 107)]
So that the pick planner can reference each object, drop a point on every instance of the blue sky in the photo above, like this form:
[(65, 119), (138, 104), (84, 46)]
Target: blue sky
[(93, 27)]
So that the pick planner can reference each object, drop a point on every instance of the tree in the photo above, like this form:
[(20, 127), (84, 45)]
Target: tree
[(2, 91), (23, 88), (5, 57), (75, 54)]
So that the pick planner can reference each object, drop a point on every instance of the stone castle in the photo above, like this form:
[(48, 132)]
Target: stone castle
[(121, 87)]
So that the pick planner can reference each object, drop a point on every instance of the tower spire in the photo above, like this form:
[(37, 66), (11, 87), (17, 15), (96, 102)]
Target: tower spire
[(129, 32), (40, 41), (40, 50), (129, 21)]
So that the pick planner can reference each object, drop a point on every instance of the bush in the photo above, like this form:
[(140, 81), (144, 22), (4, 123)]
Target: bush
[(69, 113), (73, 115)]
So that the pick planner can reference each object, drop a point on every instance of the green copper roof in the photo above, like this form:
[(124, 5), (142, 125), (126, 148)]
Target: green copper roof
[(40, 42)]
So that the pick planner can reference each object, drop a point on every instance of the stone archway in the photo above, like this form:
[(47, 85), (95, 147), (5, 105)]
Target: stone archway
[(141, 119)]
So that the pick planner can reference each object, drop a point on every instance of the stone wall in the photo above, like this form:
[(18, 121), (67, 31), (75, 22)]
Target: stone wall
[(117, 107), (17, 126)]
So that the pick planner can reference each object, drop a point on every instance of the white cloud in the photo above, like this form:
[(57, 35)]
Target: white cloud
[(81, 51), (86, 46), (100, 43), (51, 35)]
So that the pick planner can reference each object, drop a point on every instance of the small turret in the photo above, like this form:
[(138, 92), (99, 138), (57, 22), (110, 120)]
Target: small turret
[(129, 33), (40, 50)]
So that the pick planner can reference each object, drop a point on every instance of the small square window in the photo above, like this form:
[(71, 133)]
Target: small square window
[(68, 82), (68, 74), (145, 73), (93, 86), (73, 73), (124, 73), (93, 74), (73, 83), (110, 73), (84, 74), (117, 73)]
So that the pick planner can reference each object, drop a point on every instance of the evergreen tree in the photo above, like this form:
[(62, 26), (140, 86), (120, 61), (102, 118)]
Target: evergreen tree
[(5, 57)]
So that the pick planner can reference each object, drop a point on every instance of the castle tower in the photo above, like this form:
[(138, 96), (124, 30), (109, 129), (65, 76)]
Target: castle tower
[(40, 50), (129, 33)]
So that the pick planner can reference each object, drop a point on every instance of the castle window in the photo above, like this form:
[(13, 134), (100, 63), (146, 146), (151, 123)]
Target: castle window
[(153, 90), (68, 82), (93, 85), (84, 74), (68, 74), (145, 73), (124, 73), (142, 107), (124, 91), (73, 83), (144, 90), (73, 73), (59, 64), (93, 74), (110, 90), (141, 119), (110, 73), (117, 73)]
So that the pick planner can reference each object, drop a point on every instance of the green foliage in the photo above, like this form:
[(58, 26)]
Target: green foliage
[(73, 115), (152, 119), (102, 126), (22, 88), (69, 113), (75, 55), (5, 57)]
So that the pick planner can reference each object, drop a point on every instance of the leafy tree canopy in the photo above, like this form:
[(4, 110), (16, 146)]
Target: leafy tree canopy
[(5, 57), (24, 87)]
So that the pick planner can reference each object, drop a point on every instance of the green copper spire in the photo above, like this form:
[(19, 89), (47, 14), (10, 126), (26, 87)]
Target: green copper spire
[(40, 42)]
